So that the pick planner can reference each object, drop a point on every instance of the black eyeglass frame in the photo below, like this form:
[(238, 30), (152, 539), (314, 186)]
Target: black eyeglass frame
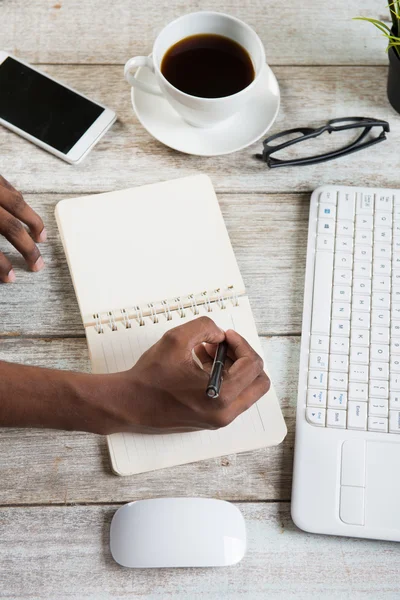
[(307, 133)]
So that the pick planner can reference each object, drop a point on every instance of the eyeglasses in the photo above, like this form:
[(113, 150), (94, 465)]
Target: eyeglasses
[(306, 133)]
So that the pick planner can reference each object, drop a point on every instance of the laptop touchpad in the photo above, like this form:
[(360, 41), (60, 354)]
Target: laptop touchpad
[(382, 484)]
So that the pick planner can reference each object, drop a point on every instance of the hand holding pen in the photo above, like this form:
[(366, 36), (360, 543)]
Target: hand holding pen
[(173, 397)]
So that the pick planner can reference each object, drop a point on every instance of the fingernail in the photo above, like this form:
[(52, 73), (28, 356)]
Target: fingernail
[(11, 277), (43, 235), (39, 264)]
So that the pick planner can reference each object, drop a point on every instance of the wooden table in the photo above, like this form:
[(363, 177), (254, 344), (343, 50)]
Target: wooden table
[(57, 493)]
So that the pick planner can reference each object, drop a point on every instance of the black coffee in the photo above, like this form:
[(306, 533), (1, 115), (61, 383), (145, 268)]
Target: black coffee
[(208, 65)]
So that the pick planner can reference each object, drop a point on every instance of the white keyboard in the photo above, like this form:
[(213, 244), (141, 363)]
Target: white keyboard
[(354, 342)]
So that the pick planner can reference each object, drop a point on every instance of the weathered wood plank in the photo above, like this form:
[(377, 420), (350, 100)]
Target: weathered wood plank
[(64, 552), (52, 467), (268, 234), (82, 32), (129, 156)]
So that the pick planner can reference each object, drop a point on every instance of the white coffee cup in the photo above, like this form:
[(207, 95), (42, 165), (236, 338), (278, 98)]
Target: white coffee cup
[(200, 112)]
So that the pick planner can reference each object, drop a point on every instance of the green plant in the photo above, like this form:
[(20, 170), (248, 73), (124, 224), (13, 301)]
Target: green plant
[(393, 35)]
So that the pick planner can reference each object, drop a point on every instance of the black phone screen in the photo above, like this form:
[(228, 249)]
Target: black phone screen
[(43, 108)]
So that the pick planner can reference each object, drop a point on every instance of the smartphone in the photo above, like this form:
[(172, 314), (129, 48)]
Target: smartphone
[(49, 113)]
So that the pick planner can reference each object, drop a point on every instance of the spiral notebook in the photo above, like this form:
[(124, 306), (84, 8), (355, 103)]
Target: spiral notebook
[(144, 260)]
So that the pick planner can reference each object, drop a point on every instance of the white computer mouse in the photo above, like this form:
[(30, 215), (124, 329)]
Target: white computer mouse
[(178, 532)]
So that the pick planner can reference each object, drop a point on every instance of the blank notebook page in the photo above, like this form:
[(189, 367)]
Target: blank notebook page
[(262, 425), (145, 244)]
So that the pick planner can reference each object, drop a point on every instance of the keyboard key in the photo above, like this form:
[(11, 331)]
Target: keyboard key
[(316, 416), (396, 261), (394, 421), (383, 234), (345, 228), (316, 398), (380, 317), (382, 250), (359, 355), (342, 276), (325, 242), (326, 226), (344, 260), (395, 329), (380, 284), (337, 381), (361, 286), (328, 196), (361, 302), (363, 253), (358, 391), (339, 362), (364, 203), (395, 313), (341, 310), (361, 320), (341, 292), (358, 373), (327, 211), (380, 335), (343, 244), (383, 202), (394, 401), (364, 221), (380, 370), (337, 399), (322, 293), (317, 379), (395, 347), (346, 206), (320, 343), (363, 236), (379, 352), (363, 270), (378, 389), (340, 327), (396, 293), (383, 219), (339, 345), (395, 363), (336, 418), (378, 407), (395, 382), (382, 266), (381, 300), (378, 424), (319, 360), (357, 415), (359, 337)]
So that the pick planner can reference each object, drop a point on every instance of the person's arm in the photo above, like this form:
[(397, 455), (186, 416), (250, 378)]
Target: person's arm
[(164, 392)]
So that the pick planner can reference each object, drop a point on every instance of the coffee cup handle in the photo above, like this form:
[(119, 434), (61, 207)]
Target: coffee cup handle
[(133, 64)]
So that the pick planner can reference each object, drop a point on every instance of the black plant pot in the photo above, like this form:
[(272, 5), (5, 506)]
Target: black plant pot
[(393, 88)]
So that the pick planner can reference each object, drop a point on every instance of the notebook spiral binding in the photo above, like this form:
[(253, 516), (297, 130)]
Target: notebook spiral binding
[(142, 315)]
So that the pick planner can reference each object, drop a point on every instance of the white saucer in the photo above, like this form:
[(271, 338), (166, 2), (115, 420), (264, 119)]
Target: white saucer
[(246, 127)]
